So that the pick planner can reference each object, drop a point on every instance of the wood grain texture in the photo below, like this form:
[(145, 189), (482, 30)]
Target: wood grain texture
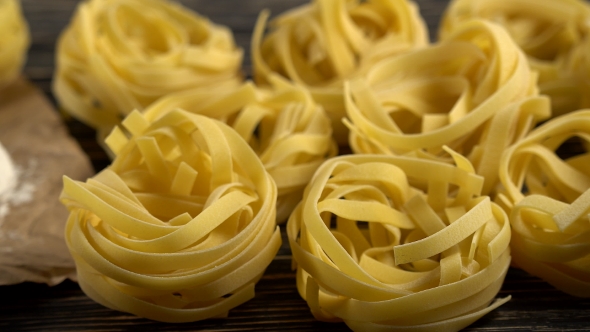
[(535, 306)]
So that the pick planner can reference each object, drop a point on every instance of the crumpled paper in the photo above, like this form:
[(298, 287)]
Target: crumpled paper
[(32, 245)]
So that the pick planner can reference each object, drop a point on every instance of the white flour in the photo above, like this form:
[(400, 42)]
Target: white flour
[(12, 192), (8, 177)]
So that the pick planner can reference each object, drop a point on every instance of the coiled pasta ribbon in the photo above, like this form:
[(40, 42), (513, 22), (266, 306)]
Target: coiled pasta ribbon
[(548, 199), (325, 42), (474, 92), (547, 31), (121, 55), (179, 227), (284, 126), (399, 243), (577, 68), (14, 41)]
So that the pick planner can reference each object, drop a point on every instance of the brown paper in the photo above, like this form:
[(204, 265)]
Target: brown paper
[(32, 246)]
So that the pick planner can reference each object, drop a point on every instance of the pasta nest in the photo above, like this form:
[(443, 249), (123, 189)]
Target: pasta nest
[(325, 42), (548, 199), (547, 31), (289, 132), (119, 55), (179, 227), (473, 92), (392, 243), (14, 41)]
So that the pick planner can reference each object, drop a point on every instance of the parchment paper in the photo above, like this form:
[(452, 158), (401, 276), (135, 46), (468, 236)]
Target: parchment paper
[(32, 246)]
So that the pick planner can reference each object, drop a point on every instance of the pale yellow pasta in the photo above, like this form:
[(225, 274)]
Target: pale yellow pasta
[(577, 68), (547, 31), (284, 126), (387, 243), (180, 226), (474, 92), (119, 55), (548, 199), (325, 42), (14, 41)]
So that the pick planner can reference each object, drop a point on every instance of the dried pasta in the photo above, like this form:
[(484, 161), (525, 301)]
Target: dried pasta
[(577, 68), (180, 226), (325, 42), (284, 126), (547, 31), (14, 41), (549, 203), (121, 55), (393, 243), (474, 92)]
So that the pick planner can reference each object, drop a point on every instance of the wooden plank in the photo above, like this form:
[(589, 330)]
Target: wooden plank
[(535, 306)]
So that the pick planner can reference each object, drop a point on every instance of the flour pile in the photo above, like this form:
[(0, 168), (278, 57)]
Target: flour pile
[(8, 180)]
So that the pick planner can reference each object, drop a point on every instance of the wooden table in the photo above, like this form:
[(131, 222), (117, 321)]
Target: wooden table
[(277, 306)]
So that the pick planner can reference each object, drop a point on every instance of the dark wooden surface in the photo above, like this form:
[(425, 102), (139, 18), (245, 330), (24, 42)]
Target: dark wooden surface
[(535, 306)]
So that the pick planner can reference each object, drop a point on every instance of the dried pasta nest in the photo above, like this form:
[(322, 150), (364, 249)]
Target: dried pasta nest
[(14, 41), (290, 133), (473, 92), (547, 193), (119, 55), (547, 31), (325, 42), (179, 227), (394, 243)]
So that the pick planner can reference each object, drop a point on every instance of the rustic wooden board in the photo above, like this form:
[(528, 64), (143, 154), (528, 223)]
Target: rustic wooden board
[(535, 306)]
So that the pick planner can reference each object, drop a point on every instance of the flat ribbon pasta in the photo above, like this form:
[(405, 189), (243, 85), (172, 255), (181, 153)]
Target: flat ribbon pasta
[(388, 243), (284, 126), (548, 199), (121, 55), (325, 42), (474, 92), (577, 68), (547, 31), (14, 41), (180, 226)]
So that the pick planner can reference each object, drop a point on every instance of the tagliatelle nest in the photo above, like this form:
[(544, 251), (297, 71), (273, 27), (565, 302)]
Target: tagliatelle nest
[(549, 201), (386, 243), (121, 55), (180, 227), (284, 126), (14, 41), (474, 92), (547, 31), (323, 43)]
